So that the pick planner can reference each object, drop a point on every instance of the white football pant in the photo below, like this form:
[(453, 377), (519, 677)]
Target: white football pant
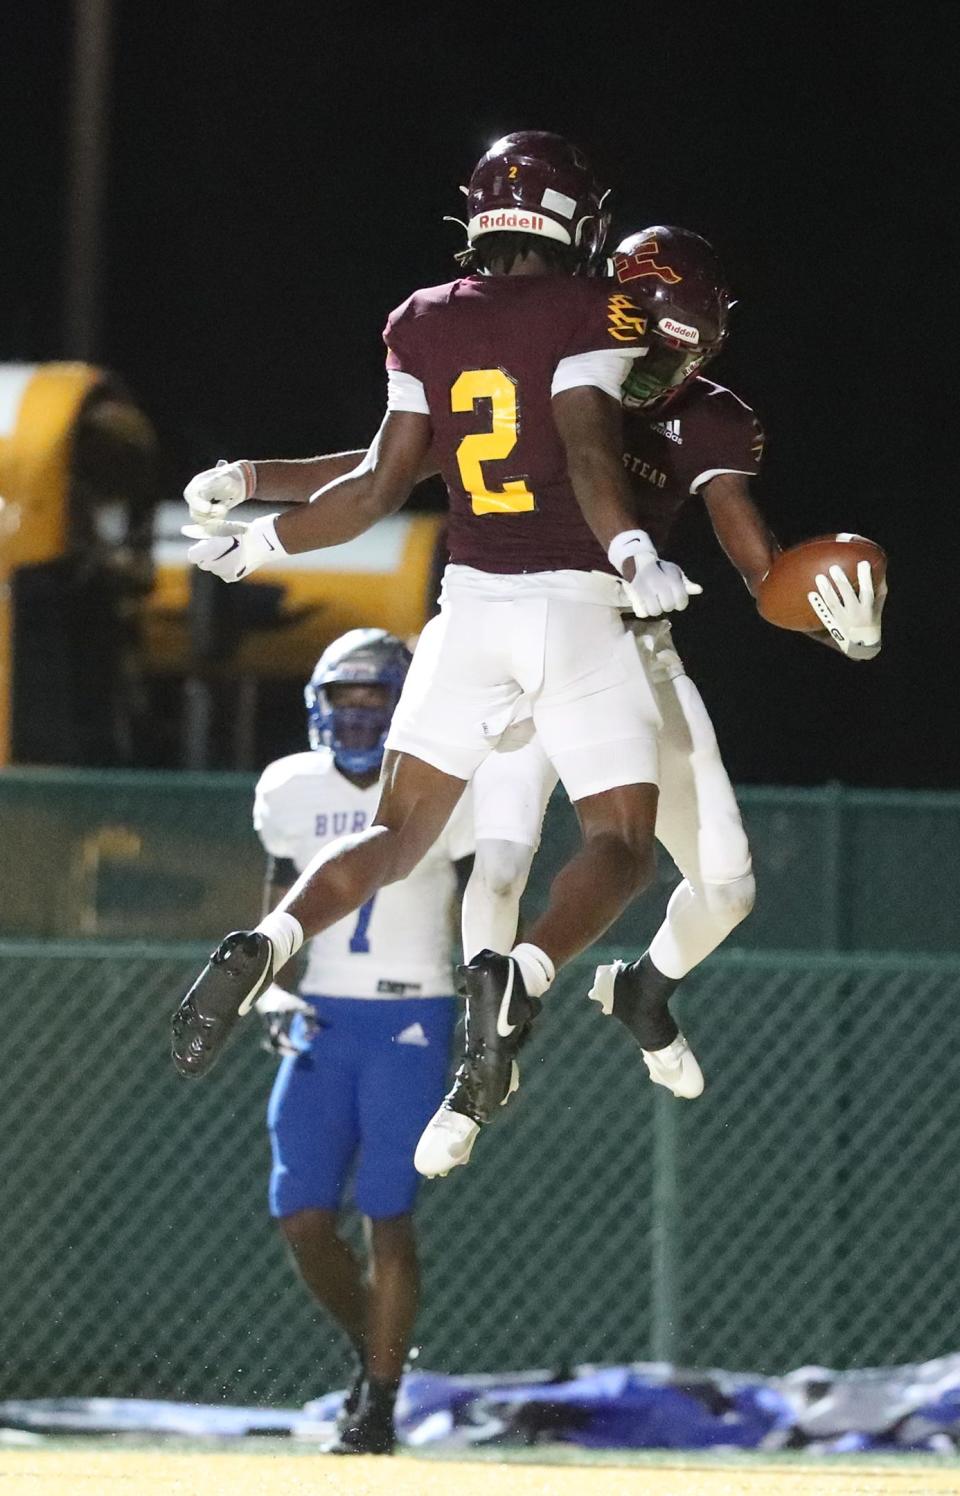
[(554, 638), (698, 822)]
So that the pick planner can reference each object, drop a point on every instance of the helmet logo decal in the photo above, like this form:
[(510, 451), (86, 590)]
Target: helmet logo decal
[(642, 262), (679, 330), (511, 218), (624, 321), (517, 220)]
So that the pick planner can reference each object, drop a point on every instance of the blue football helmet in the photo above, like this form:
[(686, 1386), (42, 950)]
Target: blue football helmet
[(356, 734)]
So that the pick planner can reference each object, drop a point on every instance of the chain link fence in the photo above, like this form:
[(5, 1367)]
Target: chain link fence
[(172, 856), (804, 1210)]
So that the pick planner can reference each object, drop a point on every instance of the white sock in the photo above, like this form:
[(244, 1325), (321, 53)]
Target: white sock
[(536, 968), (285, 934)]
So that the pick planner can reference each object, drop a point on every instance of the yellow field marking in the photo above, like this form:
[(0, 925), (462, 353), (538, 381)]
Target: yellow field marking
[(85, 1472)]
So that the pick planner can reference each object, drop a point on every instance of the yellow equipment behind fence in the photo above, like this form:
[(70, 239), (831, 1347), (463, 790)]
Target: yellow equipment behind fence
[(380, 580), (39, 407), (78, 496)]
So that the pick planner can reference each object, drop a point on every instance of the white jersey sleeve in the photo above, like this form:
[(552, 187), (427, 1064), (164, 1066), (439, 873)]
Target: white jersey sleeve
[(406, 392), (277, 805), (605, 369)]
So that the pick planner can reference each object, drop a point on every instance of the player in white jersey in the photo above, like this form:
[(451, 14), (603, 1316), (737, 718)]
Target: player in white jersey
[(366, 1042)]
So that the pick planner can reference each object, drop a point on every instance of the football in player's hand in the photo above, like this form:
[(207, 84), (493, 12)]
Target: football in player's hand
[(782, 595)]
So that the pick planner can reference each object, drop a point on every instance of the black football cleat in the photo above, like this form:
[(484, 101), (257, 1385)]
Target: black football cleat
[(499, 1016), (370, 1429), (638, 995), (352, 1399), (237, 971)]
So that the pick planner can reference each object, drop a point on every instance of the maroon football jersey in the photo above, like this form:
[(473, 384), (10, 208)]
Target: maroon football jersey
[(485, 349), (706, 430)]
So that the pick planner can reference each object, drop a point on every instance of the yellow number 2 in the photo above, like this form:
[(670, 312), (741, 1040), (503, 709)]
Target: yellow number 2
[(490, 446)]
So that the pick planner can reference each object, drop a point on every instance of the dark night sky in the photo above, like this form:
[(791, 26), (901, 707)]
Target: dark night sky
[(278, 176)]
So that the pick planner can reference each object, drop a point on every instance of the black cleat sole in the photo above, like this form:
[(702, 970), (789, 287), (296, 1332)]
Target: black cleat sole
[(237, 971)]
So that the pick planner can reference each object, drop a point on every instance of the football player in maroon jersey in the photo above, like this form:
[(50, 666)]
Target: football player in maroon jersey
[(511, 375), (684, 437)]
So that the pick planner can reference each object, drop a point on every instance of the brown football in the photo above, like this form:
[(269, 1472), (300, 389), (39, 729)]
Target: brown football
[(782, 595)]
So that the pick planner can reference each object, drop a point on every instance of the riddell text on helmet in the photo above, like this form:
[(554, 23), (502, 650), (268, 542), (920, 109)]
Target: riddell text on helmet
[(509, 219), (680, 330)]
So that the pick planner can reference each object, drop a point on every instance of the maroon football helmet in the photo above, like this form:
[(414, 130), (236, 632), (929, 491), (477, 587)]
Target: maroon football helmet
[(675, 278), (533, 182)]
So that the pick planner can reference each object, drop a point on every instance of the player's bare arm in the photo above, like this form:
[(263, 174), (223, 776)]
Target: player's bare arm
[(381, 483), (744, 535), (297, 480), (590, 424), (211, 495), (339, 512)]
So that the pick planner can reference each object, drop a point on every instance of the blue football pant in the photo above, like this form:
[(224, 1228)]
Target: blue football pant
[(373, 1077)]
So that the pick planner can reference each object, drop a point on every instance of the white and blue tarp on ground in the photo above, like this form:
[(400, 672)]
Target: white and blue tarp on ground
[(641, 1406)]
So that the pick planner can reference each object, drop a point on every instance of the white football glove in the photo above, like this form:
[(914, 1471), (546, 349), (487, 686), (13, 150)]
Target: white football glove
[(851, 618), (214, 492), (278, 1008), (657, 586), (231, 549)]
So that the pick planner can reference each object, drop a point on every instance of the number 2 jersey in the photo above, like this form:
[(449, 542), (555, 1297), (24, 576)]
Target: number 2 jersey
[(399, 945), (483, 357)]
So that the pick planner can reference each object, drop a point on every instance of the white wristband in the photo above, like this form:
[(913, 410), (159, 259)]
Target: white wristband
[(629, 543)]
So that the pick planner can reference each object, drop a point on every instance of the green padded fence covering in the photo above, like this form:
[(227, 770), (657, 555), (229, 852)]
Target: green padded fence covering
[(173, 857), (805, 1210)]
